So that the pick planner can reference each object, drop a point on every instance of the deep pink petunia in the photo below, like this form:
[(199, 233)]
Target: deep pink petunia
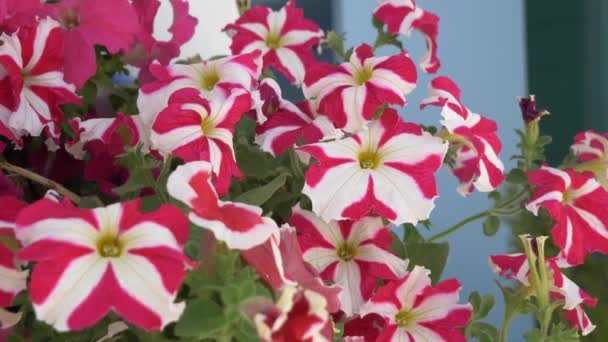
[(388, 169), (576, 202), (284, 37), (111, 23), (239, 225), (516, 266), (416, 311), (350, 93), (352, 254), (31, 85), (16, 14), (403, 17), (363, 329), (473, 137), (92, 261), (194, 128)]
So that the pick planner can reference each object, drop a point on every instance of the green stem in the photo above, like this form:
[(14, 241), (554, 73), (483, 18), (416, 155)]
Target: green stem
[(504, 329), (497, 210), (459, 225)]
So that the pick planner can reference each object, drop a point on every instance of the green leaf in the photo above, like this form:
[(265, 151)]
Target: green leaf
[(517, 176), (430, 255), (397, 246), (201, 318), (491, 225), (260, 195)]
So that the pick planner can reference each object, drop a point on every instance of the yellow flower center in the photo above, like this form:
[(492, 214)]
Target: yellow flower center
[(273, 40), (209, 80), (363, 75), (568, 197), (404, 318), (347, 252), (369, 160), (110, 246), (207, 125)]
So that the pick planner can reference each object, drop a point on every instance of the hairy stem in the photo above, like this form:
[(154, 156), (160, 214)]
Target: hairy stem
[(48, 183), (459, 225)]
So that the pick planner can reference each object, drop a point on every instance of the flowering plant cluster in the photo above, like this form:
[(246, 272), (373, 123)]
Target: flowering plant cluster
[(195, 202)]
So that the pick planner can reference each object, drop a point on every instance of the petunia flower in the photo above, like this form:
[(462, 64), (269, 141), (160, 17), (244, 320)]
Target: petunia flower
[(31, 84), (529, 113), (114, 133), (12, 281), (16, 14), (182, 29), (219, 75), (516, 266), (473, 137), (352, 254), (416, 311), (239, 225), (279, 263), (350, 93), (194, 128), (591, 150), (114, 258), (363, 329), (298, 315), (284, 37), (111, 23), (290, 123), (576, 202), (405, 16), (388, 169)]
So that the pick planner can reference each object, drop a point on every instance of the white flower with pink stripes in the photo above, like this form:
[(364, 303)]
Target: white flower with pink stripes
[(31, 79), (350, 93), (284, 37), (352, 254), (516, 266), (388, 170), (114, 258), (591, 149), (194, 128), (575, 202), (413, 310), (473, 138), (239, 225), (405, 16), (217, 75)]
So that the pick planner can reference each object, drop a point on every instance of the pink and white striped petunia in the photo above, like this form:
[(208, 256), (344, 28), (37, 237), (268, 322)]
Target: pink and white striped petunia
[(115, 133), (12, 281), (114, 258), (298, 315), (473, 138), (352, 254), (388, 170), (284, 37), (576, 202), (194, 128), (516, 266), (351, 93), (591, 149), (416, 311), (218, 75), (291, 122), (31, 79), (239, 225), (403, 17)]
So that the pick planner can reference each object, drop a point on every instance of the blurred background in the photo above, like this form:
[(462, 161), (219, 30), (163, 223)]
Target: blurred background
[(496, 51)]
